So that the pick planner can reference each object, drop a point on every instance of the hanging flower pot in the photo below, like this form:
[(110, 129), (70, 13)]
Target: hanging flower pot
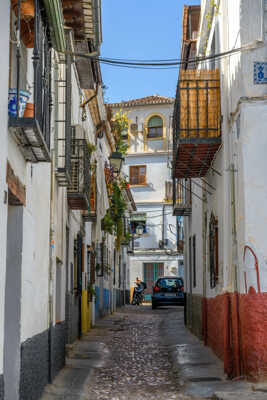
[(26, 8), (27, 33), (29, 110)]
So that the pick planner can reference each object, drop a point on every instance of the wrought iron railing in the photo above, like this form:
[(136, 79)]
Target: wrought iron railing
[(63, 120), (32, 129), (79, 188), (168, 191), (182, 197)]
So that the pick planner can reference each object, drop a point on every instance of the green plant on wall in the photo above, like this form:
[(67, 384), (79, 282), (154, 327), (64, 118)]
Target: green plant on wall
[(113, 222), (120, 123), (91, 148)]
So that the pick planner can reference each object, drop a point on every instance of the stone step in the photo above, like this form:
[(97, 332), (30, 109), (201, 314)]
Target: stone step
[(244, 395)]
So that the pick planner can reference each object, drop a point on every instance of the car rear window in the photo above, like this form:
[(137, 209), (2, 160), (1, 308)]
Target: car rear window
[(170, 283)]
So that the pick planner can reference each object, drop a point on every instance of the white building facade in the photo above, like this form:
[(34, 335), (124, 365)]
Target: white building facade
[(148, 170), (53, 157), (225, 247)]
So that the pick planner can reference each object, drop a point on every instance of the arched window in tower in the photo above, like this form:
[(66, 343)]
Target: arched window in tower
[(155, 127)]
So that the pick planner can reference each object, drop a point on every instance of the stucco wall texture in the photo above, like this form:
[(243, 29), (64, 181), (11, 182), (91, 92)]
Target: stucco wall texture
[(235, 327)]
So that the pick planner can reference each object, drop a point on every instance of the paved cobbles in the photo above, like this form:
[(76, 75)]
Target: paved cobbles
[(139, 365)]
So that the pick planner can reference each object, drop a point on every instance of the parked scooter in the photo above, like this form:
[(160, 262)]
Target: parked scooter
[(138, 295)]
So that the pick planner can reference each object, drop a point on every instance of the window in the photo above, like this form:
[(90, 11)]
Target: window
[(214, 253), (166, 283), (136, 220), (155, 127), (138, 175)]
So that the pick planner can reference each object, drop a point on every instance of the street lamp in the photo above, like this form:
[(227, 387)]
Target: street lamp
[(116, 159)]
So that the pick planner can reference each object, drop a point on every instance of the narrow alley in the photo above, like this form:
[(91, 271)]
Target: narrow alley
[(139, 354)]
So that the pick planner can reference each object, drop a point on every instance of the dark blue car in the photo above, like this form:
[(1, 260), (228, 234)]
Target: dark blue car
[(168, 291)]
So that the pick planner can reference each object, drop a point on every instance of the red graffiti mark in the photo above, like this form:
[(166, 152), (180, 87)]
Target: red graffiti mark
[(256, 265)]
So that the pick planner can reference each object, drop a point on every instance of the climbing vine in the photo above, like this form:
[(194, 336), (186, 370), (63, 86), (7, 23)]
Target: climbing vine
[(119, 124), (113, 222)]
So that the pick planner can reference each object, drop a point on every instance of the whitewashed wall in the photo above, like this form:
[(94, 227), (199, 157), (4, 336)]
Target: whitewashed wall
[(241, 159), (4, 48)]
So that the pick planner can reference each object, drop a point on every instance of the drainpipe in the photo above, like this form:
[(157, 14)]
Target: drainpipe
[(51, 253), (163, 225), (50, 277)]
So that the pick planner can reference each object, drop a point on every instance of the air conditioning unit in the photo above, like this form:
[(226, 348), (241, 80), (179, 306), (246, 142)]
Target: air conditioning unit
[(134, 128)]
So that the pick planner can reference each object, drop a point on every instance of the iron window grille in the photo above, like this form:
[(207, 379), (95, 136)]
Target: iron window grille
[(213, 251), (79, 188), (182, 197), (33, 132), (63, 119)]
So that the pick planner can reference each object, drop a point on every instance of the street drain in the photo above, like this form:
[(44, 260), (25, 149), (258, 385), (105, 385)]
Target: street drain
[(205, 379)]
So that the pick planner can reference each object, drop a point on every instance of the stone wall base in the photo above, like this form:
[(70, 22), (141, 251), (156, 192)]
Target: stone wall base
[(34, 366), (1, 387), (72, 318), (58, 348), (194, 314)]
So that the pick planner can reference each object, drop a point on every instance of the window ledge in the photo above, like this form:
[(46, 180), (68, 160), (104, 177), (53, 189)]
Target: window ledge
[(155, 138)]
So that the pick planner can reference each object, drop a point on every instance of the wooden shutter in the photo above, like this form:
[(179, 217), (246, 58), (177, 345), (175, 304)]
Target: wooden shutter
[(142, 175), (133, 175)]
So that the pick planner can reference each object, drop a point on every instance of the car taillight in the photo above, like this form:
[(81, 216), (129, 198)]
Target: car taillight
[(156, 289), (182, 288)]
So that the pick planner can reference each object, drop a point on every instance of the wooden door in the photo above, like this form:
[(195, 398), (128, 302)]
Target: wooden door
[(152, 271)]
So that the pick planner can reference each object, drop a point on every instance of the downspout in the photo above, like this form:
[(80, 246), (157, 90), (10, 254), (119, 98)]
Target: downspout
[(163, 225), (51, 245), (50, 276)]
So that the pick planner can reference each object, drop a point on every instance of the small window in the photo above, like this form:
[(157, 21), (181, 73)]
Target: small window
[(167, 283), (138, 175), (155, 127), (136, 220)]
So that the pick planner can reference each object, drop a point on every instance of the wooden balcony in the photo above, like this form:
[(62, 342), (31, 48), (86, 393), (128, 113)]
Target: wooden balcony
[(197, 123), (79, 189), (182, 197)]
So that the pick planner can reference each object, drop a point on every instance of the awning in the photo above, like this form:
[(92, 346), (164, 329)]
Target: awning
[(56, 24)]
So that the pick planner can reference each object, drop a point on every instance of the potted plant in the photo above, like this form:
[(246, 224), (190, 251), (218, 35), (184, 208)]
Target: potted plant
[(27, 33), (26, 9)]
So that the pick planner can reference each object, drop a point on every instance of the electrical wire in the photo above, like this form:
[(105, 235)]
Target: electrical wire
[(165, 64)]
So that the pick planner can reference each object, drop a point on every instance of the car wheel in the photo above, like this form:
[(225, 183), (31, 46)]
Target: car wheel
[(154, 306)]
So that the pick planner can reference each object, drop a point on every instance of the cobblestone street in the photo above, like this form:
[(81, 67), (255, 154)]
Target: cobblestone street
[(138, 354), (139, 367)]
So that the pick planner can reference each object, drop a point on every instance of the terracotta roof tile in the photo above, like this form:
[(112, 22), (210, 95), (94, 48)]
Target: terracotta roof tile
[(155, 99)]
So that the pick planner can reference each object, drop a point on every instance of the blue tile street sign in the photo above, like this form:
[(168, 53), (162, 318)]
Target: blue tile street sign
[(260, 72)]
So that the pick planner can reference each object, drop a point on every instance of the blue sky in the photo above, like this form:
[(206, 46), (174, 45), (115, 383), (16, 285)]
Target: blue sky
[(141, 29)]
